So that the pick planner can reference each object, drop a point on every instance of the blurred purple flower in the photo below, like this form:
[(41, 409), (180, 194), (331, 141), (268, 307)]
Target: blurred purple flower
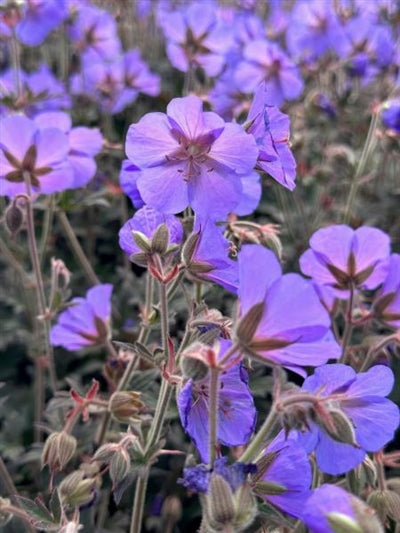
[(386, 304), (265, 61), (251, 195), (86, 322), (209, 260), (332, 502), (287, 471), (314, 29), (94, 34), (195, 37), (361, 397), (39, 18), (84, 145), (190, 157), (41, 153), (128, 176), (236, 411), (137, 79), (40, 91), (147, 220), (391, 115), (342, 257), (294, 327), (271, 130)]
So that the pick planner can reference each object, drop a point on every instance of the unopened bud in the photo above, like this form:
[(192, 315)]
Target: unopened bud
[(341, 523), (142, 241), (192, 367), (386, 503), (58, 449), (337, 425), (160, 240), (125, 405), (366, 517), (189, 248), (5, 514), (220, 502), (77, 490), (171, 510), (119, 466), (14, 218), (246, 507)]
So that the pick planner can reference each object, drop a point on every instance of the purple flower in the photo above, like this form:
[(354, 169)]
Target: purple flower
[(197, 478), (386, 304), (95, 34), (147, 220), (330, 506), (209, 259), (342, 257), (391, 115), (236, 411), (195, 38), (128, 180), (137, 79), (294, 327), (271, 130), (40, 154), (190, 157), (313, 30), (39, 18), (285, 470), (361, 398), (251, 195), (40, 91), (265, 61), (84, 145), (86, 322)]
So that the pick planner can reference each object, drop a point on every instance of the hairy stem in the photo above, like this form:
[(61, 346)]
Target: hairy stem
[(258, 442), (213, 414)]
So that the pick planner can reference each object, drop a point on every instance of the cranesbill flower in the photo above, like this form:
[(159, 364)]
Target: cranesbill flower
[(391, 115), (283, 321), (28, 152), (86, 322), (190, 157), (147, 220), (206, 256), (343, 258), (386, 304), (361, 398), (236, 410), (284, 476), (94, 34), (330, 509), (128, 176), (265, 61), (313, 30), (38, 19), (84, 144), (271, 130), (195, 38), (40, 91)]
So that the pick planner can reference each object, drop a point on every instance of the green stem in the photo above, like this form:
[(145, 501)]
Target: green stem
[(39, 401), (367, 149), (348, 329), (47, 223), (258, 442), (77, 248), (213, 414), (139, 499), (41, 297)]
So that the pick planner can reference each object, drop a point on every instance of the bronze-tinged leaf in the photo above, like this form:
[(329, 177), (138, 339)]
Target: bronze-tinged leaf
[(383, 302), (343, 278), (42, 171), (15, 176), (249, 323), (267, 344), (363, 275)]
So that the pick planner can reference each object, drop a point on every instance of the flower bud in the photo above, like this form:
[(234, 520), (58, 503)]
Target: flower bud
[(337, 425), (189, 248), (160, 240), (366, 517), (246, 507), (341, 523), (58, 449), (13, 218), (248, 324), (76, 490), (5, 515), (220, 503), (119, 466), (193, 368), (386, 503), (171, 510), (125, 405)]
